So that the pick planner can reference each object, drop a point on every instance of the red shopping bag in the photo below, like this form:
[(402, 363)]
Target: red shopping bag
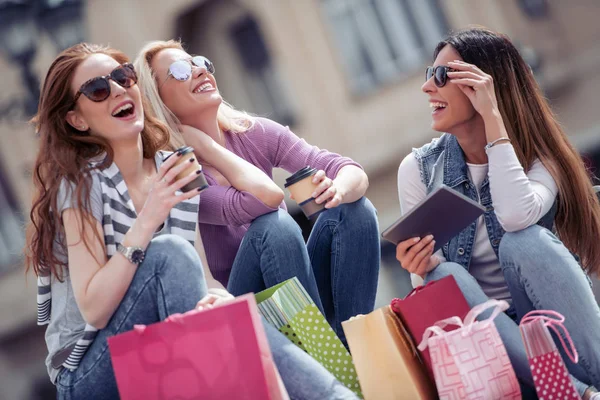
[(214, 354), (426, 305), (550, 374)]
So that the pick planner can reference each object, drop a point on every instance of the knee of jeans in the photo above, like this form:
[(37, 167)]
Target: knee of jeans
[(460, 274), (526, 244), (360, 210), (275, 225), (176, 253)]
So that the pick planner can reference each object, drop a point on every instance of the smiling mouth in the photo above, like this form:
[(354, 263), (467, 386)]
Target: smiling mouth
[(437, 106), (204, 87), (124, 111)]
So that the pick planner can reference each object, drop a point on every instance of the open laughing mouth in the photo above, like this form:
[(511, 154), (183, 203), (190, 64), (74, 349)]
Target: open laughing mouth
[(205, 86), (124, 110), (437, 107)]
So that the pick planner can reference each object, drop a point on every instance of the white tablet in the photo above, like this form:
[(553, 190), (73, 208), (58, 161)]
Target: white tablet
[(444, 213)]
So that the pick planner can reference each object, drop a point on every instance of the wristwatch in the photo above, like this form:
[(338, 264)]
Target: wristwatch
[(133, 254)]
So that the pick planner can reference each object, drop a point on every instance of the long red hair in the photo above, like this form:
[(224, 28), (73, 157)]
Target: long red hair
[(64, 155)]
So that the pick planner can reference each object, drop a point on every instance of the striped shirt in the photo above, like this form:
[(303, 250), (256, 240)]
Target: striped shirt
[(68, 336)]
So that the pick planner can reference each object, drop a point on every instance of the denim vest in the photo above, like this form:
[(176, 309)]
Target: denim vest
[(442, 162)]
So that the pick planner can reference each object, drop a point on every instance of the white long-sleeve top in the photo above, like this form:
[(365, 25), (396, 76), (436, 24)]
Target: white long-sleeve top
[(519, 199)]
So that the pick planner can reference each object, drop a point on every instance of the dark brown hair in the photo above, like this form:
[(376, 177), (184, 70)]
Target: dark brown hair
[(536, 134), (64, 155)]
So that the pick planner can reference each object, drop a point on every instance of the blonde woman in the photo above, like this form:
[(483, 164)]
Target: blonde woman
[(113, 241), (251, 241)]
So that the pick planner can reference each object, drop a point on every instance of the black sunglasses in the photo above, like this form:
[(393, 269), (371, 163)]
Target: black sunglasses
[(98, 89), (440, 73), (182, 69)]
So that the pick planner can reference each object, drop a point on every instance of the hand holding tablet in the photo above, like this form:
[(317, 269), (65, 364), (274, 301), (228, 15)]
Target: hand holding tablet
[(444, 213)]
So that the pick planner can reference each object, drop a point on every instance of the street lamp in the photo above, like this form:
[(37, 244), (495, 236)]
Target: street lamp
[(20, 24)]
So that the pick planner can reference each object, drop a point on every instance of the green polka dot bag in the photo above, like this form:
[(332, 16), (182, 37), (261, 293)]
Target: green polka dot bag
[(290, 309)]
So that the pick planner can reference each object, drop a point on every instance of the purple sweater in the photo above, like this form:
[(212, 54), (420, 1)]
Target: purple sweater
[(225, 213)]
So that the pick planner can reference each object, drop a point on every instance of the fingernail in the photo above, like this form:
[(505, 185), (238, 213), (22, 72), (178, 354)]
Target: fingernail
[(429, 237), (433, 243), (313, 195), (416, 239), (192, 159)]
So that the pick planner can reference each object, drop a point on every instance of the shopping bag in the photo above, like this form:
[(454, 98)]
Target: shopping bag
[(550, 375), (217, 354), (289, 308), (386, 358), (471, 362), (426, 305)]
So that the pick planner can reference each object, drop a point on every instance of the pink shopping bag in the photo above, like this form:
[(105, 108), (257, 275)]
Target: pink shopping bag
[(471, 362), (550, 375), (216, 354)]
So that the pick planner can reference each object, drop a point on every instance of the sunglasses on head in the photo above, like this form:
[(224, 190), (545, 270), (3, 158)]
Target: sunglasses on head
[(440, 73), (182, 69), (98, 89)]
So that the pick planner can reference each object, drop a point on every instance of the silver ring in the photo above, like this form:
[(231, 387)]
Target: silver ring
[(163, 180)]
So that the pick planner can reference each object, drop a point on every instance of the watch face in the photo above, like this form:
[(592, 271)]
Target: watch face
[(137, 256)]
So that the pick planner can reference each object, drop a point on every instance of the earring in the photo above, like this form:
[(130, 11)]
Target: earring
[(82, 128)]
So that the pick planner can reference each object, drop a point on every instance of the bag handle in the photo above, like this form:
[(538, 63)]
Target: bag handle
[(499, 306), (554, 321), (430, 332), (438, 328)]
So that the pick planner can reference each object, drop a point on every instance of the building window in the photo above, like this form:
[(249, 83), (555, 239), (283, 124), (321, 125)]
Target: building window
[(382, 40), (11, 227), (265, 83)]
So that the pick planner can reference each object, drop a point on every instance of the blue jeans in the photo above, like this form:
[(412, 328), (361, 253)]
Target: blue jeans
[(541, 274), (171, 280), (338, 267)]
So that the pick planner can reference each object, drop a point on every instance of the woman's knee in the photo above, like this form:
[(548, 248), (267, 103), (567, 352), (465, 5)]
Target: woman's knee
[(530, 245), (277, 225), (359, 210), (362, 208), (461, 275), (175, 254)]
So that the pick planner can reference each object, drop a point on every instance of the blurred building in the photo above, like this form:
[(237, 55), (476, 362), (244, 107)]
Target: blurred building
[(344, 74)]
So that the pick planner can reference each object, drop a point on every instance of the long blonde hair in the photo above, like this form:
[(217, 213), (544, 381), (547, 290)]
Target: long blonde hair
[(535, 133), (228, 118)]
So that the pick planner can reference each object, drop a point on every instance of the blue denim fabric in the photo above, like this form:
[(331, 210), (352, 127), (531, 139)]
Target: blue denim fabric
[(171, 280), (342, 253), (442, 162)]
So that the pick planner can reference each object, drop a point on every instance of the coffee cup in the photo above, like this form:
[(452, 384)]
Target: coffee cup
[(301, 187), (187, 153)]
